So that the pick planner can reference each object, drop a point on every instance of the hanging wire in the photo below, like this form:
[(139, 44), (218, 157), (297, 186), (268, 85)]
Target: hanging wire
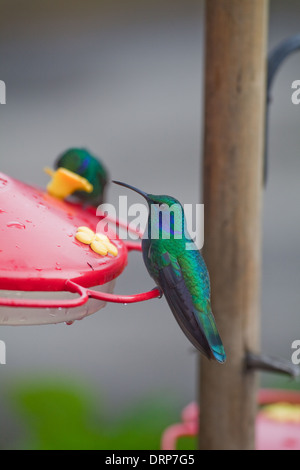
[(275, 59)]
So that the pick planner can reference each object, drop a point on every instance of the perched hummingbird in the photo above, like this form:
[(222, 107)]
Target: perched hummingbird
[(83, 163), (181, 274)]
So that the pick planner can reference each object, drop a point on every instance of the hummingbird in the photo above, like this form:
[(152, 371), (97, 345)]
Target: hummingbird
[(84, 164), (180, 273)]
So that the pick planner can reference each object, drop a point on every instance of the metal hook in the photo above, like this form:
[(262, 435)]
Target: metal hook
[(275, 59), (271, 364)]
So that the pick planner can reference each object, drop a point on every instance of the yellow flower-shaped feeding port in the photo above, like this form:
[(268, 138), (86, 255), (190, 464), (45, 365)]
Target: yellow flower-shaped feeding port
[(98, 242), (283, 412)]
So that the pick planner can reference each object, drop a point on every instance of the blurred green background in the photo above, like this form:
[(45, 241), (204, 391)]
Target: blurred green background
[(57, 415), (125, 79)]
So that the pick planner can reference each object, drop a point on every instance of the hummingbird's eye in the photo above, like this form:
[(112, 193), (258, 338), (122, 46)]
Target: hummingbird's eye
[(164, 206)]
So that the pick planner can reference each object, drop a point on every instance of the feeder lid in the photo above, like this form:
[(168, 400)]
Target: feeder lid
[(39, 246)]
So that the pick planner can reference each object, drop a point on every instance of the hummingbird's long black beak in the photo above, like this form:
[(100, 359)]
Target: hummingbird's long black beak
[(142, 193)]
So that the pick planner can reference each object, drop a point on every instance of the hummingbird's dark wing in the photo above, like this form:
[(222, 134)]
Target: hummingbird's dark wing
[(198, 326)]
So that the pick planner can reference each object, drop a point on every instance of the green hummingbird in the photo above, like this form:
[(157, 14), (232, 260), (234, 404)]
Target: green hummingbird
[(84, 164), (180, 273)]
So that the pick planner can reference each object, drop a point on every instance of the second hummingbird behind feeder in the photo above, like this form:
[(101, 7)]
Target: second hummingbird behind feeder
[(83, 163), (80, 174), (180, 273)]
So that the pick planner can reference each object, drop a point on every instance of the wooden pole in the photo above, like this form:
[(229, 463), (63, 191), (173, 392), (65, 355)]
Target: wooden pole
[(235, 96)]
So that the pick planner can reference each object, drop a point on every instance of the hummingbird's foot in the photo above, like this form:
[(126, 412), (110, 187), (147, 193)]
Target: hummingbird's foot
[(160, 291), (271, 364)]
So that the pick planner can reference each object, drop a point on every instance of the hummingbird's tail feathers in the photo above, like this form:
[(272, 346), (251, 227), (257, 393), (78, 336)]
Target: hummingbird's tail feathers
[(207, 322), (184, 311)]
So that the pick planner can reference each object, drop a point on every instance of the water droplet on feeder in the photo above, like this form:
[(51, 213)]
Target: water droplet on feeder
[(16, 225), (69, 323)]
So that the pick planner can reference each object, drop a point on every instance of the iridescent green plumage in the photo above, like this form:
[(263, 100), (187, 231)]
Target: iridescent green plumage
[(177, 266), (83, 163)]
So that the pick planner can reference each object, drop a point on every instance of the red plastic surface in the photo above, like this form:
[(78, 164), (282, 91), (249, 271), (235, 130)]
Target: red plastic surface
[(38, 249)]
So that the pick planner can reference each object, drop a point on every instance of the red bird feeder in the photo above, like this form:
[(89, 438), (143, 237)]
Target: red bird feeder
[(52, 266)]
